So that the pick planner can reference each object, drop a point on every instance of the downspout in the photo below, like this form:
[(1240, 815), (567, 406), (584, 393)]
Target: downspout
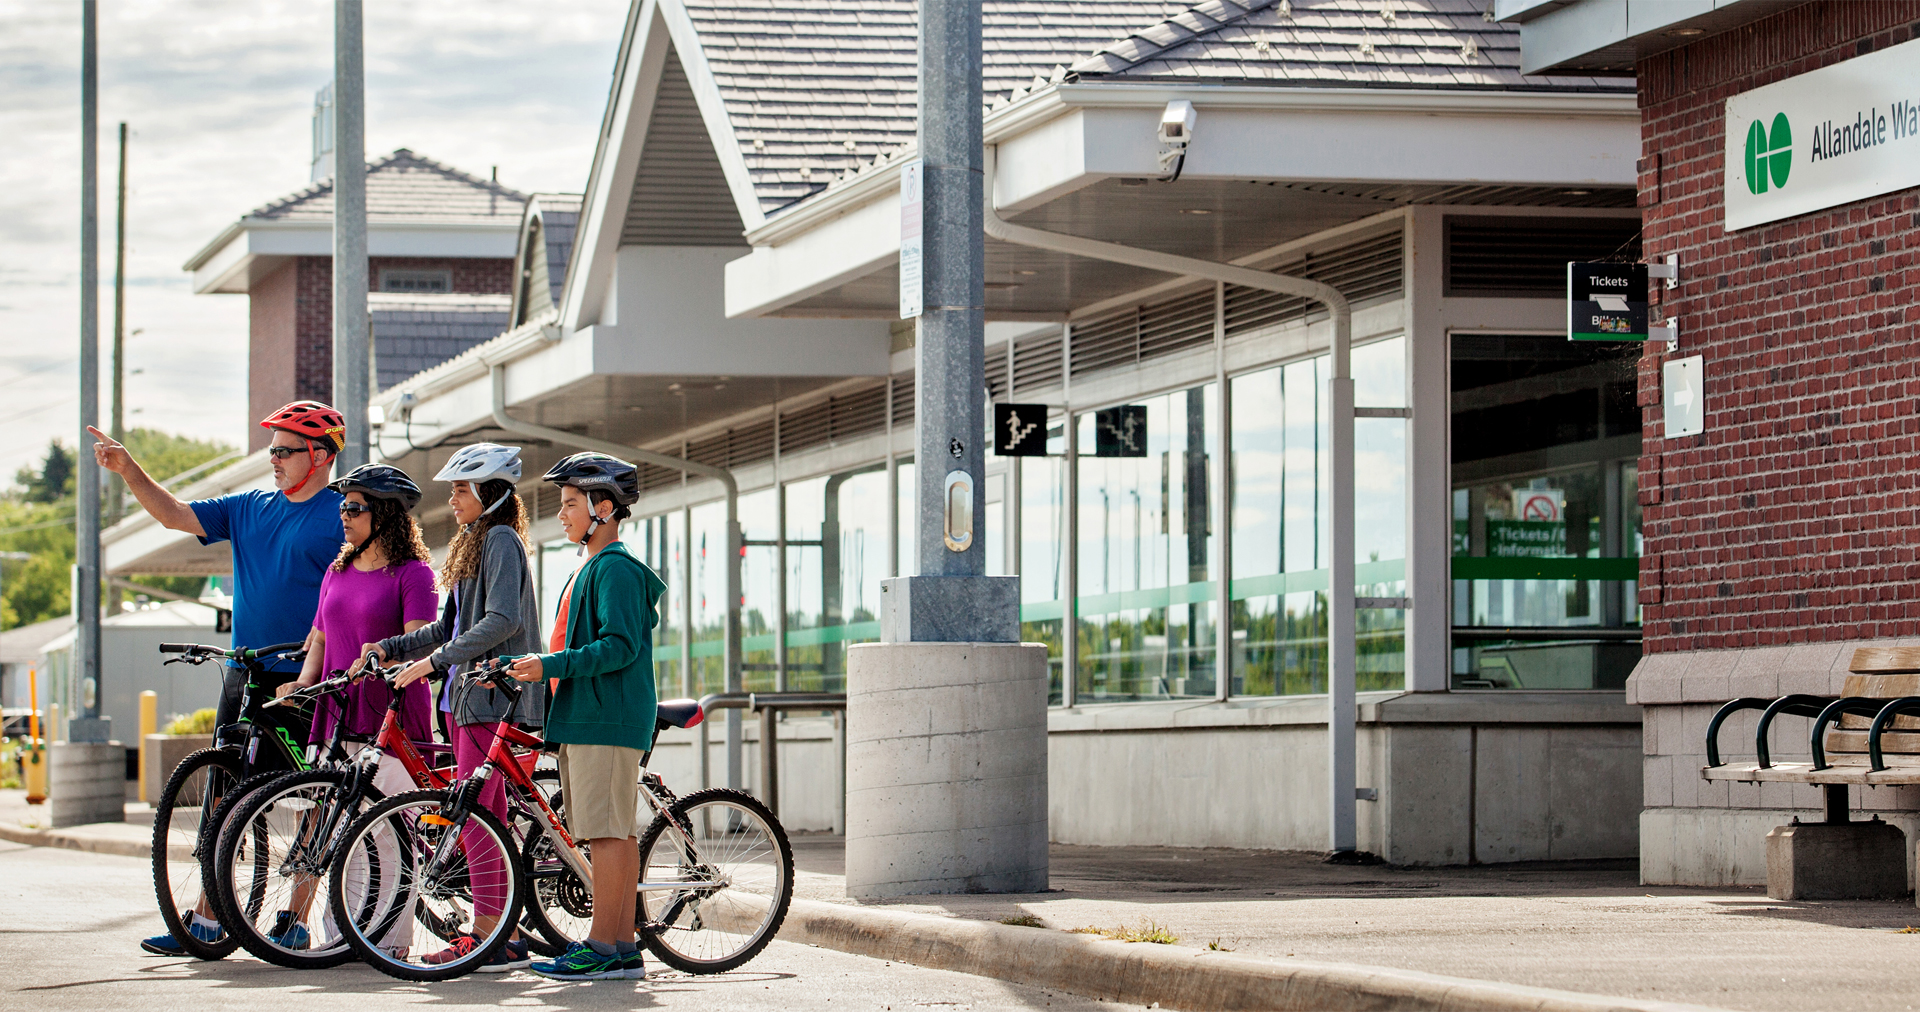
[(1342, 711), (634, 453)]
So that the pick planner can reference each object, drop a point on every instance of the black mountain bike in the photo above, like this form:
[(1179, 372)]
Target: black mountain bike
[(263, 743)]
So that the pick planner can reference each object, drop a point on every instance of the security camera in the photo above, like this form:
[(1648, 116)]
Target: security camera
[(1176, 131)]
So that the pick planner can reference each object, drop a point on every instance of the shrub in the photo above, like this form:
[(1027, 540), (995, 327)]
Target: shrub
[(197, 722)]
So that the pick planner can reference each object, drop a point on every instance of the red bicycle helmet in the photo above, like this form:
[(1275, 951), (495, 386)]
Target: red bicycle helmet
[(311, 420)]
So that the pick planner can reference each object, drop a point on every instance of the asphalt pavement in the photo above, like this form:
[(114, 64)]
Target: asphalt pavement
[(73, 921)]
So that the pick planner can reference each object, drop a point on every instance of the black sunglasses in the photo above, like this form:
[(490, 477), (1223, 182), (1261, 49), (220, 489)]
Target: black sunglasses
[(354, 509), (283, 452)]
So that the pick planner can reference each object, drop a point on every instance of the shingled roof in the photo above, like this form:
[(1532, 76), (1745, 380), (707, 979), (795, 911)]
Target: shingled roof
[(815, 88), (1447, 44), (404, 186)]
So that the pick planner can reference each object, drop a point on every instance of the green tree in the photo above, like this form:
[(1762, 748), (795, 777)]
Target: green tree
[(38, 520), (53, 481)]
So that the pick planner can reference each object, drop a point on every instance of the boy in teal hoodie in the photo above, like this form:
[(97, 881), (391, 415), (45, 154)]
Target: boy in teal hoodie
[(603, 707)]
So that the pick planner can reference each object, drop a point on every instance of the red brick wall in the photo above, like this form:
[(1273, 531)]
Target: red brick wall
[(309, 357), (271, 312), (1796, 515)]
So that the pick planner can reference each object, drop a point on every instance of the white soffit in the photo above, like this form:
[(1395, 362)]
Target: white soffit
[(256, 249), (1071, 137)]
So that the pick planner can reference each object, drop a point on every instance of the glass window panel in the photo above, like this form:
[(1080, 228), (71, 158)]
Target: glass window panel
[(1546, 515), (906, 491), (759, 590), (1280, 496), (707, 544), (1147, 556), (656, 541), (1043, 520), (836, 558)]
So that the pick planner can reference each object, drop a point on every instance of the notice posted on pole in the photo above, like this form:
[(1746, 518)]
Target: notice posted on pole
[(912, 179)]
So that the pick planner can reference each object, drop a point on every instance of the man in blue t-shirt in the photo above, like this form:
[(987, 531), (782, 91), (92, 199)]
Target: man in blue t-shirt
[(282, 541)]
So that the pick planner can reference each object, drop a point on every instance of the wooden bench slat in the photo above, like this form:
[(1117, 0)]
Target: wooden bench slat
[(1804, 773), (1885, 661), (1892, 743)]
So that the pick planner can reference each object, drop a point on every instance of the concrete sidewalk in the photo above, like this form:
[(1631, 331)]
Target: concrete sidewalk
[(1538, 936), (1580, 928)]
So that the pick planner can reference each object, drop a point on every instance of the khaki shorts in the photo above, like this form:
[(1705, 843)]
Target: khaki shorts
[(601, 787)]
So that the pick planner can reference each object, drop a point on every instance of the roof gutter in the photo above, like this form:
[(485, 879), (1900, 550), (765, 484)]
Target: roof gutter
[(624, 452), (1342, 603)]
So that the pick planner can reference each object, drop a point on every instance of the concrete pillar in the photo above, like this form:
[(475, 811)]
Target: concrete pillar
[(89, 783), (946, 768)]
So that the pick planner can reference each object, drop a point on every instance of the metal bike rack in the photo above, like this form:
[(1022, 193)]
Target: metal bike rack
[(768, 705)]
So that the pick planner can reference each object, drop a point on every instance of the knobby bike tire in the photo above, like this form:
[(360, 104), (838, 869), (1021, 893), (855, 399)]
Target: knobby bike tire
[(664, 937), (215, 825), (358, 925), (245, 826), (223, 763)]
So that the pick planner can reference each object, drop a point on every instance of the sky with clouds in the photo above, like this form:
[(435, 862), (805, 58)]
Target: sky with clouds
[(218, 98)]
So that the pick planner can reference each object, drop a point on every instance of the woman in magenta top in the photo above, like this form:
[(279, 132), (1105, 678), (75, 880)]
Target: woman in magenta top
[(381, 585)]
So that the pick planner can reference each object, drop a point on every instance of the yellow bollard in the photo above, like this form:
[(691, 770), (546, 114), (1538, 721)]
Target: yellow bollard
[(35, 765), (149, 724)]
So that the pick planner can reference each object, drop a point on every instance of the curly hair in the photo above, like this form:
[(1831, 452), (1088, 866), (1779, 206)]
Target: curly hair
[(397, 532), (463, 554)]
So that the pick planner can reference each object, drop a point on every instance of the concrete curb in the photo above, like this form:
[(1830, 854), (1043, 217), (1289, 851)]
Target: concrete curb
[(1176, 977), (79, 838)]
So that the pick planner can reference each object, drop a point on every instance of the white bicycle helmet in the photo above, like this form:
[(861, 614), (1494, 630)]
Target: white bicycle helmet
[(482, 462)]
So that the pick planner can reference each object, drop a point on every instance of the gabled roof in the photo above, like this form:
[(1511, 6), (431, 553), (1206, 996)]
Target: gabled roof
[(1341, 43), (814, 88), (541, 256), (401, 186)]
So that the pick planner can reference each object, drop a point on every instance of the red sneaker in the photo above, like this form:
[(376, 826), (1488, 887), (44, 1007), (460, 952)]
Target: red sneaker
[(462, 947)]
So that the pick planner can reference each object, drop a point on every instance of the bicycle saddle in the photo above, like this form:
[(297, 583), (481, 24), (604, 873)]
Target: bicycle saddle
[(681, 712)]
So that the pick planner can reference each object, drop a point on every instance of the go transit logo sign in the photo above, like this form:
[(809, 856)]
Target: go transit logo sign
[(1769, 154), (1831, 136)]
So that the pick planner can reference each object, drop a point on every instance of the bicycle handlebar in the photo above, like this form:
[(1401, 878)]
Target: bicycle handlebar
[(179, 648)]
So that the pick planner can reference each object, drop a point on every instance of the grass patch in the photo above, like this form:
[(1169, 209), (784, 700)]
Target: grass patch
[(1908, 930), (1217, 946), (1023, 921), (1146, 931)]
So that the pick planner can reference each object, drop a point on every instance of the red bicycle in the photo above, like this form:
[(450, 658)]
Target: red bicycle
[(716, 870)]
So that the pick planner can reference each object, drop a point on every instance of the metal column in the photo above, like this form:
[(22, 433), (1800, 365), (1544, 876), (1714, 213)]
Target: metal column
[(351, 326), (88, 726)]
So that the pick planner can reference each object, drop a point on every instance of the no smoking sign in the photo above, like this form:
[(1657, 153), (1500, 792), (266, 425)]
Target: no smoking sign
[(1538, 504)]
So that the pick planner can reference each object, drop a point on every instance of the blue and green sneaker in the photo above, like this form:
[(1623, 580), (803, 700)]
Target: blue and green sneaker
[(288, 932), (581, 962), (203, 930), (635, 964)]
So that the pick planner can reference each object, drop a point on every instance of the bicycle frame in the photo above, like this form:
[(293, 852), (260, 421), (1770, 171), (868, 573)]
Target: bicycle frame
[(500, 755), (392, 740)]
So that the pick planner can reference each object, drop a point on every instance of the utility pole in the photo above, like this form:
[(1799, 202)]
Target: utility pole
[(949, 666), (350, 324), (116, 502), (88, 727)]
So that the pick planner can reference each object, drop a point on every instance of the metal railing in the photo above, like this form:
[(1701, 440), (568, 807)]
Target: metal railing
[(769, 705)]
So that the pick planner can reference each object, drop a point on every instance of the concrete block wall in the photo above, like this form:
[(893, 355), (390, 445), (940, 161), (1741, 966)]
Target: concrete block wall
[(1699, 832), (1480, 778)]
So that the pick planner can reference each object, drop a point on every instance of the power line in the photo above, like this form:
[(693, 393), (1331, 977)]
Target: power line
[(33, 372)]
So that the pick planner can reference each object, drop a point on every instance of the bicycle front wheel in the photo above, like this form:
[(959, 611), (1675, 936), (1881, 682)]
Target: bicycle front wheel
[(715, 887), (421, 895), (182, 820), (271, 865)]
